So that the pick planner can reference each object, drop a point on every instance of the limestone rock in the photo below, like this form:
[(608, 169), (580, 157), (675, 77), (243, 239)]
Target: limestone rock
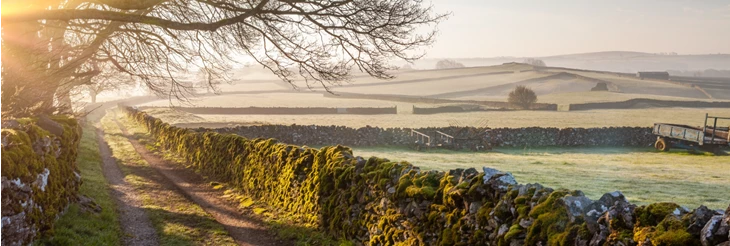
[(502, 230), (50, 125), (576, 205), (489, 172), (600, 236), (88, 204), (498, 180), (525, 223), (715, 231), (474, 207), (698, 219)]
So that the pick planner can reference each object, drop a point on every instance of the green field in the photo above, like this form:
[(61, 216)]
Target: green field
[(643, 175)]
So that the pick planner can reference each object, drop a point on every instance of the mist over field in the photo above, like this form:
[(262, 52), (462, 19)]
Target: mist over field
[(363, 122)]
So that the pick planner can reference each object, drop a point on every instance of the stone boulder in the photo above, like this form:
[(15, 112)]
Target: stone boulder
[(498, 180), (715, 231), (698, 218)]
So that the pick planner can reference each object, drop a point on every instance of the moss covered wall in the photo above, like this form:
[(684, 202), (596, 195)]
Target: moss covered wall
[(378, 202), (39, 176)]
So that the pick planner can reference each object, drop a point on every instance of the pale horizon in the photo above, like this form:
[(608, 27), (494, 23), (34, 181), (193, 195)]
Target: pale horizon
[(540, 29)]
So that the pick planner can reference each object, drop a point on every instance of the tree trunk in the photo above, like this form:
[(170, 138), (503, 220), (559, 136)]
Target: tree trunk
[(25, 88), (93, 96), (63, 100), (31, 53)]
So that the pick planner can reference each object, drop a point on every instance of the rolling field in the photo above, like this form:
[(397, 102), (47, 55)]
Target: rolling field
[(587, 118), (285, 100), (441, 84), (643, 175), (495, 82)]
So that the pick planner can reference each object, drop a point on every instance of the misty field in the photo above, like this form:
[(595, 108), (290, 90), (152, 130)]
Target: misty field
[(495, 119), (489, 82), (643, 175), (285, 100)]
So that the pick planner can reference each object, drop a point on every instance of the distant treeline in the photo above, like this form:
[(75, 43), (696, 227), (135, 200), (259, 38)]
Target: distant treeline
[(713, 73)]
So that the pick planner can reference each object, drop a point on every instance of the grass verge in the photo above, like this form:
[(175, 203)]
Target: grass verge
[(177, 220), (80, 226)]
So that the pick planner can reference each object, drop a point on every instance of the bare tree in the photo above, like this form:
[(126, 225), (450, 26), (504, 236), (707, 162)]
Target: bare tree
[(535, 62), (446, 64), (109, 80), (204, 79), (522, 97), (156, 41)]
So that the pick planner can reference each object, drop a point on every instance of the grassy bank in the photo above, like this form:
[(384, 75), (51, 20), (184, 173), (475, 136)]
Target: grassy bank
[(643, 175), (177, 220), (80, 226)]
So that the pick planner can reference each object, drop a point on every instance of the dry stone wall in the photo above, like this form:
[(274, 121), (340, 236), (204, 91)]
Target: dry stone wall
[(644, 102), (375, 201), (39, 175), (497, 137)]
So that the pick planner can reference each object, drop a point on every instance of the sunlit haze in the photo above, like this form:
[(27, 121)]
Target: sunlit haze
[(480, 28), (366, 122)]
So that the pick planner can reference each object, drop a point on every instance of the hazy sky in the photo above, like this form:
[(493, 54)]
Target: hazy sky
[(487, 28)]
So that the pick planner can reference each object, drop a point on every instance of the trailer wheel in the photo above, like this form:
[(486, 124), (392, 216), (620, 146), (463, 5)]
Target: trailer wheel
[(661, 145)]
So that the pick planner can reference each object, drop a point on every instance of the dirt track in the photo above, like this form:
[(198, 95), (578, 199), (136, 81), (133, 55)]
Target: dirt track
[(244, 230), (135, 224)]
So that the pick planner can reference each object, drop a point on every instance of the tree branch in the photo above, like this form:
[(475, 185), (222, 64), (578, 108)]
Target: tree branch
[(95, 14)]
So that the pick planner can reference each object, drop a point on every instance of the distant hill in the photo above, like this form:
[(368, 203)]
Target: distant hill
[(614, 61), (495, 83)]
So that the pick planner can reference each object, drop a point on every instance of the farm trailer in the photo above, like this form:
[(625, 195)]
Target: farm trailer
[(446, 141), (705, 138)]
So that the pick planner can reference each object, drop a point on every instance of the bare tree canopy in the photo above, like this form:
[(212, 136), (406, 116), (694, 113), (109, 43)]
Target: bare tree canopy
[(108, 80), (48, 45), (447, 64), (535, 62), (522, 96)]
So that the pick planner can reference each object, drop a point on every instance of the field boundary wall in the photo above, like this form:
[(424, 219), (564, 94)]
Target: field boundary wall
[(39, 175), (496, 137)]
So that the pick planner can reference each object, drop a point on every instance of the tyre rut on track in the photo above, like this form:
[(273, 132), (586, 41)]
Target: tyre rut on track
[(243, 229)]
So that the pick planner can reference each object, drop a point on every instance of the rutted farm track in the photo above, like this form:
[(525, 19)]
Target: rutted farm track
[(182, 191)]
